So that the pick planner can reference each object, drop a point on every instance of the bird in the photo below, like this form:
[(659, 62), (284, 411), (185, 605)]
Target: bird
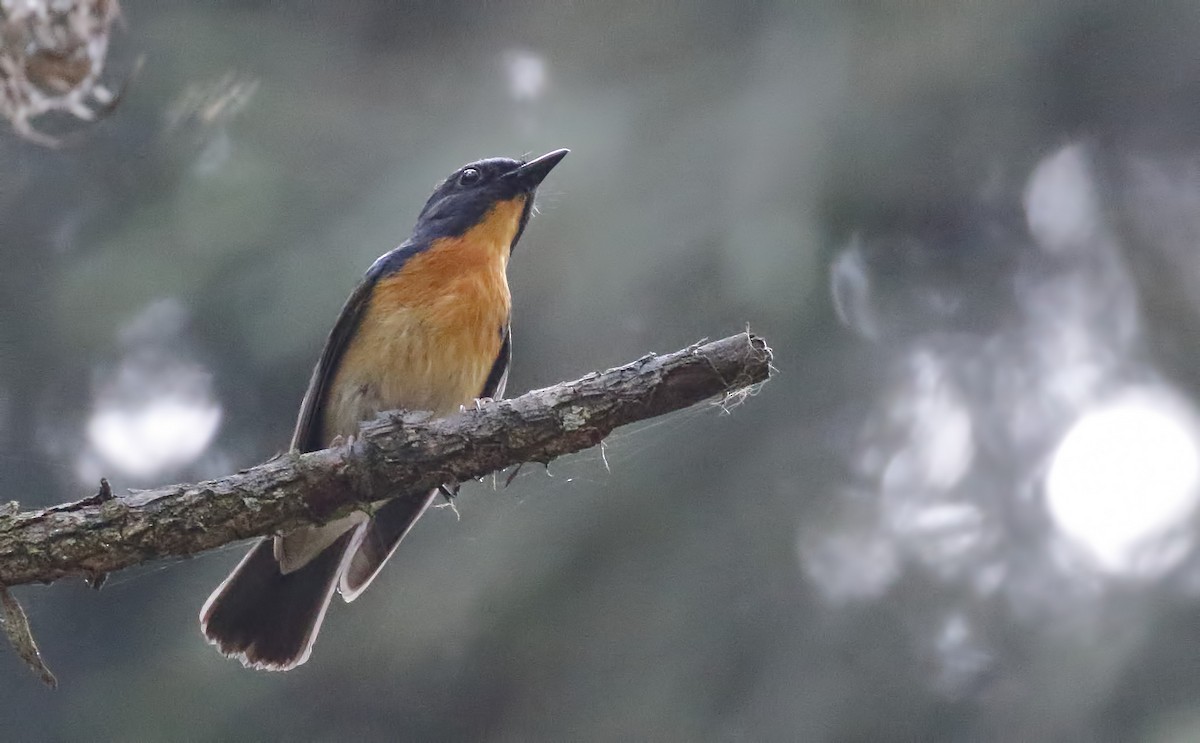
[(426, 329)]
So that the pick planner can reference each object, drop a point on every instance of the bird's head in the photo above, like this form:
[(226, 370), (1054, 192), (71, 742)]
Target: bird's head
[(490, 197)]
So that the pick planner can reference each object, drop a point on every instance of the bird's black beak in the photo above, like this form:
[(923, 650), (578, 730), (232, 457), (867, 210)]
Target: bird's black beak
[(531, 174)]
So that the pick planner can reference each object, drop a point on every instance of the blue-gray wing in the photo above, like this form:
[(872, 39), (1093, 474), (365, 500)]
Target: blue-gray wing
[(497, 378), (308, 435)]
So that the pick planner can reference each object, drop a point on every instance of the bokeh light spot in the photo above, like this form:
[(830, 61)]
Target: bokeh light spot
[(1123, 478), (155, 436), (526, 72), (155, 411), (1060, 203)]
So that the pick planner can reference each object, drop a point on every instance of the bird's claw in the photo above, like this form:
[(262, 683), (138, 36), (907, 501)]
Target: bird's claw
[(481, 401), (340, 441)]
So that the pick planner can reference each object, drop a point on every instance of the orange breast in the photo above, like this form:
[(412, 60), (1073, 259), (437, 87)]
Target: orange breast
[(432, 331)]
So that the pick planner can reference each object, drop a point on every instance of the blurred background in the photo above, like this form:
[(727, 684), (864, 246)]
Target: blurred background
[(964, 509)]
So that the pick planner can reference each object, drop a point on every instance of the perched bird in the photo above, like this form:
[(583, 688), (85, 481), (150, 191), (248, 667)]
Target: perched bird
[(426, 329)]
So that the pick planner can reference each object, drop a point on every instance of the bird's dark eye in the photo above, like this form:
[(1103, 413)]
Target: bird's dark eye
[(469, 177)]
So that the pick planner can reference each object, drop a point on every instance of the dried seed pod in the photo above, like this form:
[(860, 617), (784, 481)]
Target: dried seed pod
[(52, 55)]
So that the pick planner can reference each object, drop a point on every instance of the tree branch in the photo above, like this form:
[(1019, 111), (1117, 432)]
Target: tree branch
[(396, 455)]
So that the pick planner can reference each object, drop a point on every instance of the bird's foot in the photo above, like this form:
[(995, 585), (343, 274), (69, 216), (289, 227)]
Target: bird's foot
[(340, 441), (449, 494), (479, 403)]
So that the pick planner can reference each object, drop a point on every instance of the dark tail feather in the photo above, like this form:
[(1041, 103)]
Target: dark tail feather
[(383, 533), (267, 619)]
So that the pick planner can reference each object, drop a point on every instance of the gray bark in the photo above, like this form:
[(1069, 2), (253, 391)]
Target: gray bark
[(396, 455)]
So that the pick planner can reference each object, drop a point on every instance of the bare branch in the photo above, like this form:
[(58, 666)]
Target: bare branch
[(396, 455)]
